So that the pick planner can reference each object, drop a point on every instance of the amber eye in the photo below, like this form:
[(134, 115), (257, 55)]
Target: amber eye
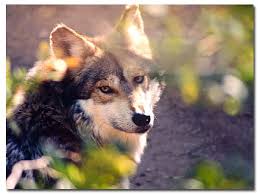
[(106, 89), (139, 79)]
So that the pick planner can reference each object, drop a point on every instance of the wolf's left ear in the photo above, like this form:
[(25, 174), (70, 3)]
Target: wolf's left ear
[(131, 18), (65, 42)]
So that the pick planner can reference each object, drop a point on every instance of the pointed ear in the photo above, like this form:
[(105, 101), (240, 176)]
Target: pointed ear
[(131, 18), (131, 30), (65, 42)]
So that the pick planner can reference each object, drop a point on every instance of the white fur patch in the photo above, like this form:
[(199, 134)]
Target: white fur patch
[(145, 100)]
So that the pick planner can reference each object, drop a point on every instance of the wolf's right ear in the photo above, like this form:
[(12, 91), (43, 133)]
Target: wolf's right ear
[(65, 42)]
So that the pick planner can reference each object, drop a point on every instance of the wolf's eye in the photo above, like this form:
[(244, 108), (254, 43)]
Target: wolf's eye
[(139, 79), (106, 89)]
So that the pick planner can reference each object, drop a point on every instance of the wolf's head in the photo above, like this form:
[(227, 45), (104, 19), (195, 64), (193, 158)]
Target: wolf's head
[(109, 76)]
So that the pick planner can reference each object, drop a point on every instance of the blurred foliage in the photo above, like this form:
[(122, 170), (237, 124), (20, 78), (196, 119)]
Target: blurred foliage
[(95, 168), (208, 174), (43, 51), (197, 58), (99, 168), (207, 54), (17, 84), (13, 84)]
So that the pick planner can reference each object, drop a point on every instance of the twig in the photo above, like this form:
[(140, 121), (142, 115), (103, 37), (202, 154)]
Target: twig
[(22, 165)]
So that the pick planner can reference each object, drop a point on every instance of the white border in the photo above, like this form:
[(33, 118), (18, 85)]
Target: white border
[(2, 97), (180, 2)]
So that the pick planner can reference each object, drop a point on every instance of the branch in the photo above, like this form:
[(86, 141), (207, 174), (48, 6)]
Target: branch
[(22, 165)]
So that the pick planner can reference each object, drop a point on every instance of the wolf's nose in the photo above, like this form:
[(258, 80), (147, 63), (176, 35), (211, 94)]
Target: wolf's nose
[(141, 120)]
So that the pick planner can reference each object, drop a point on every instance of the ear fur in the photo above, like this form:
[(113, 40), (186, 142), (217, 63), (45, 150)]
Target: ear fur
[(65, 42), (131, 18)]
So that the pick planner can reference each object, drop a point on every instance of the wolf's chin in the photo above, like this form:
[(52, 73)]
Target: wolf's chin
[(143, 129), (137, 130)]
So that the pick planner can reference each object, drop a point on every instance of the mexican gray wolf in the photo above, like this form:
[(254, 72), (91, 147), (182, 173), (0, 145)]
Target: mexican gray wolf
[(91, 88)]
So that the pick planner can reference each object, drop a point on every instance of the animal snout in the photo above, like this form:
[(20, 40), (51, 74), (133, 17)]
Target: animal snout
[(141, 120)]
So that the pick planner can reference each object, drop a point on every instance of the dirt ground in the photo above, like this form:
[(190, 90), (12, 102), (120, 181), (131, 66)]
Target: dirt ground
[(182, 134)]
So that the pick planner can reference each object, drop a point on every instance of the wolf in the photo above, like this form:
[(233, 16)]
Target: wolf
[(104, 92)]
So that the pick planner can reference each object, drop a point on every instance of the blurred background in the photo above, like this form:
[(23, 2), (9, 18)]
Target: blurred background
[(204, 133)]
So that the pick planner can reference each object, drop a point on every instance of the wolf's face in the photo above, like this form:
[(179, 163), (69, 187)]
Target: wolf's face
[(109, 76)]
